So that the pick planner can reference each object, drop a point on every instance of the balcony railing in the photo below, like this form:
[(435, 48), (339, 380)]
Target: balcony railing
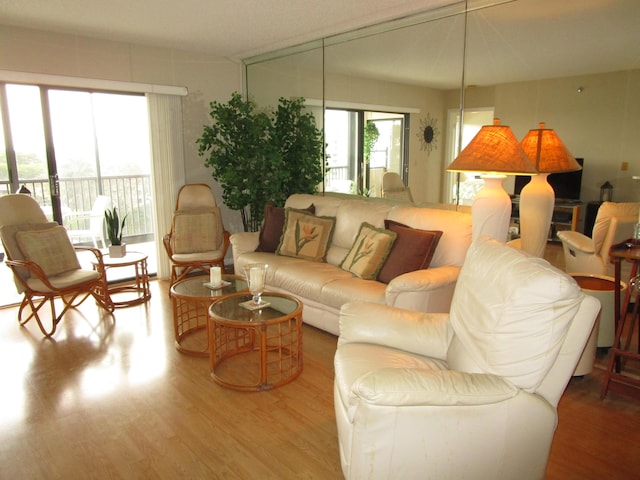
[(131, 194)]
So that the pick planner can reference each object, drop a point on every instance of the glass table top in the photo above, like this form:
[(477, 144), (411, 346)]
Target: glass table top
[(195, 287), (231, 309)]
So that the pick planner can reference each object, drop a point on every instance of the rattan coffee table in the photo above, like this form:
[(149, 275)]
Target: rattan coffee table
[(130, 293), (254, 350), (191, 300)]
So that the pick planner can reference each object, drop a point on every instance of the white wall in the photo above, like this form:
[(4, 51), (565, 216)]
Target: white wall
[(600, 124), (206, 77)]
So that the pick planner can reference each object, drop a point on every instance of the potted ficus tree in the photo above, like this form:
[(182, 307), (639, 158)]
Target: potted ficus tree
[(261, 156), (115, 227)]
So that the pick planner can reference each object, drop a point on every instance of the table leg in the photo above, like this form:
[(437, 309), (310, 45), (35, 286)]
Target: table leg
[(619, 351)]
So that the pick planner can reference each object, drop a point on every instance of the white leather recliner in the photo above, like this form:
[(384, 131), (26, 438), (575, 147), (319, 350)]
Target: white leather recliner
[(469, 394), (614, 224)]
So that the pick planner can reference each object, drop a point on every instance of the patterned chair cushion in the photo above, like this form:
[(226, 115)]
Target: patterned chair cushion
[(50, 248)]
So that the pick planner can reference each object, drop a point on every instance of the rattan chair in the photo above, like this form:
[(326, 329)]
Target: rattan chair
[(394, 189), (45, 265), (197, 240)]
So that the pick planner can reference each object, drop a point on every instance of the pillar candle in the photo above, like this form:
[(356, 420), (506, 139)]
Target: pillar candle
[(256, 280), (215, 276)]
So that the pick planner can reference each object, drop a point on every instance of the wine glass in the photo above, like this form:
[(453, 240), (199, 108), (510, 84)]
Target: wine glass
[(255, 274)]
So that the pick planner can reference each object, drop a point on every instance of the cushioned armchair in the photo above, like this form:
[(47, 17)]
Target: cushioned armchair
[(44, 263), (197, 240), (394, 189), (469, 394), (614, 224)]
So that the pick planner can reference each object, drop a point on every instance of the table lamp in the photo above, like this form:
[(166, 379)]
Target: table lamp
[(494, 152), (537, 198)]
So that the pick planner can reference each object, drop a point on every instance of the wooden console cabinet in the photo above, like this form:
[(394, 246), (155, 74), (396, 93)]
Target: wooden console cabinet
[(566, 216)]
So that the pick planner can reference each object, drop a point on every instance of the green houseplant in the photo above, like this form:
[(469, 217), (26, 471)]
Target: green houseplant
[(261, 156), (115, 227)]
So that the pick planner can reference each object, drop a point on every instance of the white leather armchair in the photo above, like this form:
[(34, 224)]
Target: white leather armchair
[(469, 394), (614, 224)]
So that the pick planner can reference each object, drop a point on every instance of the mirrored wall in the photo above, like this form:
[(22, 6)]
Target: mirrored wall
[(428, 82)]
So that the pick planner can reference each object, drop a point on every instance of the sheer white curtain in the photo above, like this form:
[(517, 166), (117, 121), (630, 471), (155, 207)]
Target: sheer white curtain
[(167, 173)]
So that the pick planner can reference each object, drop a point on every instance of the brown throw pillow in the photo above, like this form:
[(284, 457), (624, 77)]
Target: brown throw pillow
[(272, 227), (412, 250)]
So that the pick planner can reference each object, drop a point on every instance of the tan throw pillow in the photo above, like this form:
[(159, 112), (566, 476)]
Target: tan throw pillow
[(199, 230), (305, 235), (369, 251), (272, 227), (50, 248)]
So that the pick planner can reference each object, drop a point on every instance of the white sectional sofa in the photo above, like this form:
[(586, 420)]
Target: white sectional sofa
[(323, 287)]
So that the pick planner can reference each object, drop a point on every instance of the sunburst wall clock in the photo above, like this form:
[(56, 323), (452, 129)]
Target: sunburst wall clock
[(428, 134)]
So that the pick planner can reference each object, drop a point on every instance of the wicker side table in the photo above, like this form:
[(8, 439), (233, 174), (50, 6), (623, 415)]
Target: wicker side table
[(191, 300), (254, 350)]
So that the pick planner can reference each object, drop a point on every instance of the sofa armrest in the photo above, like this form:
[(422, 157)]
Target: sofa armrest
[(414, 387), (427, 334), (243, 242), (428, 290), (576, 241)]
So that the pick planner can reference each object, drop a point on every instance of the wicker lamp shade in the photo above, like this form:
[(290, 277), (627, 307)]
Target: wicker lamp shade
[(494, 149), (495, 152), (546, 150)]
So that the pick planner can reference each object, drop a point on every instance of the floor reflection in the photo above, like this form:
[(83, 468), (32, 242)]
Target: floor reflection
[(92, 355)]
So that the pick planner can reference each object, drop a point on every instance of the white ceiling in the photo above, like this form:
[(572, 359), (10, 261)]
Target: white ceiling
[(228, 28), (525, 39), (517, 41)]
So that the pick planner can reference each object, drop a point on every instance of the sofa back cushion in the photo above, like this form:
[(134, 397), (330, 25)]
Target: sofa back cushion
[(510, 314), (455, 227), (325, 206), (349, 216)]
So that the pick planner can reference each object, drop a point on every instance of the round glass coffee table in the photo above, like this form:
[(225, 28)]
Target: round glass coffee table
[(191, 299), (254, 350)]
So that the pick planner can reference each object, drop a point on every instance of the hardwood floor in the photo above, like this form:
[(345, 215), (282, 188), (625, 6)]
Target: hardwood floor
[(113, 398)]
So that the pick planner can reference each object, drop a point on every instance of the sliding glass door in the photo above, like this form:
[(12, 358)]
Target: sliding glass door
[(68, 147), (361, 147)]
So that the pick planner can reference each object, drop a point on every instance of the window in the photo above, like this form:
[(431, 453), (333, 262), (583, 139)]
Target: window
[(361, 147), (68, 146), (462, 187)]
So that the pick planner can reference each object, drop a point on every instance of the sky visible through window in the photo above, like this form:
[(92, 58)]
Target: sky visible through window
[(87, 128)]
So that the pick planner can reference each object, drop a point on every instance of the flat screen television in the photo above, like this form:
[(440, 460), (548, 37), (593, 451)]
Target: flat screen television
[(566, 185)]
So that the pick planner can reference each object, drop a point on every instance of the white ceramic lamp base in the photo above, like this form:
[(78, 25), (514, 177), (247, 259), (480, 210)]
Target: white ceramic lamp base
[(491, 209), (537, 200)]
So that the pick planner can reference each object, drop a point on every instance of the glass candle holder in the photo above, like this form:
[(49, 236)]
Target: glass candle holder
[(255, 274)]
